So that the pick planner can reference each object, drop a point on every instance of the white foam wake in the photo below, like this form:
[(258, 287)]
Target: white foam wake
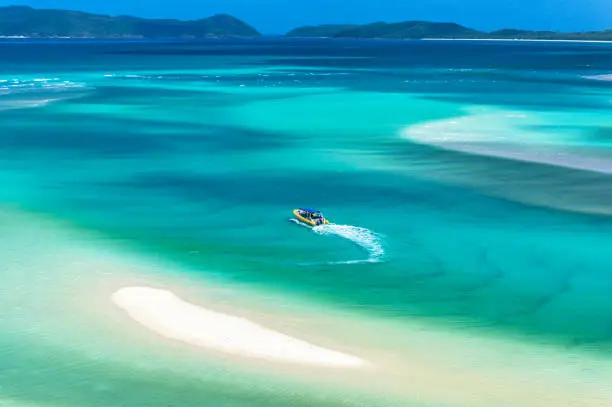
[(297, 222), (363, 237)]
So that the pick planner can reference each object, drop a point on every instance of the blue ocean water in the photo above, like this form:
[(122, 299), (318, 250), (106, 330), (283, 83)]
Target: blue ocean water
[(470, 179)]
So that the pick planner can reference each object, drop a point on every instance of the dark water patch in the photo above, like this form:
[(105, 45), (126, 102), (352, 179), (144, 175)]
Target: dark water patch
[(331, 52), (601, 134), (477, 55), (93, 136), (227, 139), (90, 138), (493, 275), (156, 95), (150, 95), (260, 47), (384, 54), (278, 189), (555, 187), (458, 287), (521, 100)]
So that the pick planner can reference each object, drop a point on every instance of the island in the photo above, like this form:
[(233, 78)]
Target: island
[(433, 30), (27, 22), (23, 21)]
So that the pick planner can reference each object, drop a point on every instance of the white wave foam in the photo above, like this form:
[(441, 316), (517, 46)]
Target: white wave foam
[(19, 93), (16, 85), (128, 76), (363, 237)]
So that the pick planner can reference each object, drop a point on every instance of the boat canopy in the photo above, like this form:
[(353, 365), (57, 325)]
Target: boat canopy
[(310, 210)]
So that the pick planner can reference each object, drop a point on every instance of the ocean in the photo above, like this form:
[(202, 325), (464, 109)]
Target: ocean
[(148, 257)]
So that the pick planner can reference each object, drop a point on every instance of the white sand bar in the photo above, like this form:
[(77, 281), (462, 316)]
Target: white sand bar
[(166, 314)]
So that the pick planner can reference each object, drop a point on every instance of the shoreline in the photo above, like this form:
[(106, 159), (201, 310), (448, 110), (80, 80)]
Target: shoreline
[(140, 38), (515, 40)]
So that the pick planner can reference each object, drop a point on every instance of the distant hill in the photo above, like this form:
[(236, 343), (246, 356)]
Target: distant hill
[(29, 22), (424, 29), (408, 29), (330, 30)]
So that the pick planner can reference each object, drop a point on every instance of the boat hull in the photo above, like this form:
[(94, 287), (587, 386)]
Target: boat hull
[(305, 220)]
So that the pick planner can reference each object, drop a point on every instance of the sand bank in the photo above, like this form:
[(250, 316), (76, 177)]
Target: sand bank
[(518, 156), (166, 314), (606, 77)]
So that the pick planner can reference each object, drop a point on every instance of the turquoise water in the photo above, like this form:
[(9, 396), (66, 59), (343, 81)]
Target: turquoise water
[(471, 179)]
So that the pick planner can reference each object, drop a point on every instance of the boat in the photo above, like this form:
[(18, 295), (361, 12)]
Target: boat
[(310, 217)]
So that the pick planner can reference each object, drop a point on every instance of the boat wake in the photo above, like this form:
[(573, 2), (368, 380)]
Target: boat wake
[(363, 237), (297, 222)]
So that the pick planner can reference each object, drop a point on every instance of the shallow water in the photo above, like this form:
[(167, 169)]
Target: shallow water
[(470, 181)]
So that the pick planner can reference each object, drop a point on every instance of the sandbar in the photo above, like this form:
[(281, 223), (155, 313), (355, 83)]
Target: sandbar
[(168, 315)]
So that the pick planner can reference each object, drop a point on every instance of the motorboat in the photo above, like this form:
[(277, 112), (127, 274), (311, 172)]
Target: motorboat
[(310, 217)]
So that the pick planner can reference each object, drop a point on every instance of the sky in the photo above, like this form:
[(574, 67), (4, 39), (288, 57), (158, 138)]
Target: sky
[(279, 16)]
